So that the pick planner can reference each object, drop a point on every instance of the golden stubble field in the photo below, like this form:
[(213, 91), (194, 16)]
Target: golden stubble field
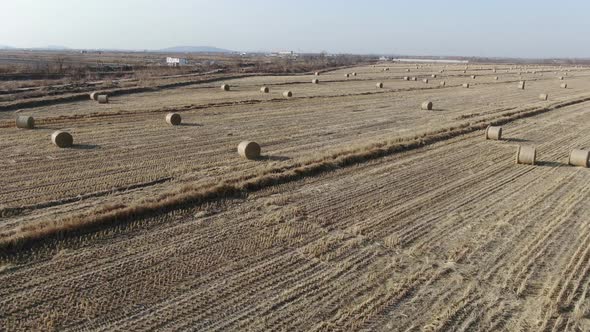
[(364, 213)]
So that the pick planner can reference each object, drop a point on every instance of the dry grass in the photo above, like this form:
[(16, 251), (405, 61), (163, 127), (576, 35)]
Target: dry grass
[(316, 249), (190, 196), (361, 206)]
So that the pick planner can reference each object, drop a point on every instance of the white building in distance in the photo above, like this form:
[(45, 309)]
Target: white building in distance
[(284, 54), (431, 60), (176, 62)]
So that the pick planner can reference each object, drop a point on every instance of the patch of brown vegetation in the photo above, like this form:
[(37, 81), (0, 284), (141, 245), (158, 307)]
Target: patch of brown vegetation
[(190, 196)]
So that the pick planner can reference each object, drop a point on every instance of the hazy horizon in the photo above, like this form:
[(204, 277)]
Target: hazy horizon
[(527, 29)]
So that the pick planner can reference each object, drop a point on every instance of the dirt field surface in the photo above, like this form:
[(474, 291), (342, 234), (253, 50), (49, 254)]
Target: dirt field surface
[(364, 213)]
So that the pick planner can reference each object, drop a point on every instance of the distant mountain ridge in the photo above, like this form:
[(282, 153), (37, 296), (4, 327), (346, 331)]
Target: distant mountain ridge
[(53, 48), (194, 49), (43, 48)]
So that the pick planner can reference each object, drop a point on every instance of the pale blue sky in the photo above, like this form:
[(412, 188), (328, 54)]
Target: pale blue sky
[(525, 28)]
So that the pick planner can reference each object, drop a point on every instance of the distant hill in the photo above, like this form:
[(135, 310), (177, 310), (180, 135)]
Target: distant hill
[(194, 49), (52, 48), (4, 47)]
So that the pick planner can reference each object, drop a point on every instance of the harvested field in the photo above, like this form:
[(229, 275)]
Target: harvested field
[(362, 210)]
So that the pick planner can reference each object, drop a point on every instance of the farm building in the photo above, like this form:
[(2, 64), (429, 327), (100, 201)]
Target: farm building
[(431, 60), (284, 54), (176, 62)]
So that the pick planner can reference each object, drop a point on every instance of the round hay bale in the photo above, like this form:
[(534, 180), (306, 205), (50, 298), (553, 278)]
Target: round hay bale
[(408, 70), (249, 150), (563, 85), (427, 105), (414, 79), (521, 85), (526, 155), (315, 81), (443, 83), (264, 89), (103, 99), (317, 73), (387, 69), (406, 78), (433, 75), (543, 96), (347, 75), (62, 139), (225, 87), (494, 132), (353, 74), (25, 122), (94, 95), (473, 76), (465, 85), (287, 94), (579, 158), (425, 80), (561, 78), (173, 119), (495, 78), (379, 85), (465, 72)]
